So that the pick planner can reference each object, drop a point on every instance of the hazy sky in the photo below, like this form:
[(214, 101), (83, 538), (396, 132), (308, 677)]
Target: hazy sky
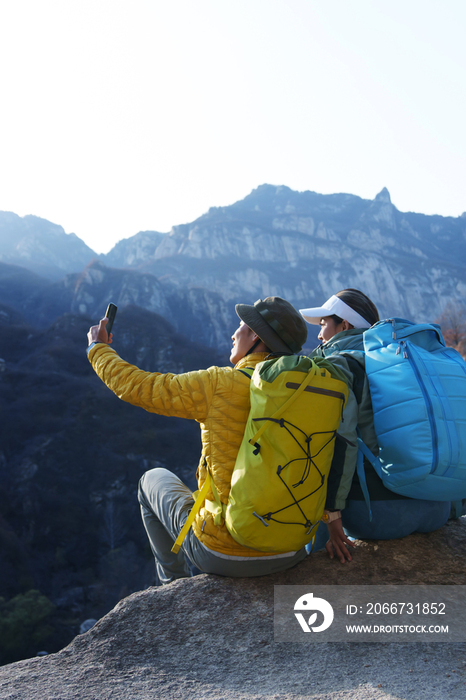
[(120, 116)]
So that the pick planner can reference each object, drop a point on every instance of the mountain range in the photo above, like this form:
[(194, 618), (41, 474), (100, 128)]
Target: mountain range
[(302, 246)]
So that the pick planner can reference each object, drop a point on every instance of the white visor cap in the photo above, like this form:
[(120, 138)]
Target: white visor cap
[(334, 306)]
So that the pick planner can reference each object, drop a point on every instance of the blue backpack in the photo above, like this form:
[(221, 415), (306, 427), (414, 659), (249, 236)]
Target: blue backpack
[(418, 391)]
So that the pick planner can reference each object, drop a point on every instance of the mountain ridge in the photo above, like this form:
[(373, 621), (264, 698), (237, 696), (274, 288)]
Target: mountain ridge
[(41, 246), (302, 246)]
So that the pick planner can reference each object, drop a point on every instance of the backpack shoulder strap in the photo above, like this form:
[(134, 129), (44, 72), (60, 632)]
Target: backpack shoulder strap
[(200, 498), (247, 371), (359, 375), (364, 451)]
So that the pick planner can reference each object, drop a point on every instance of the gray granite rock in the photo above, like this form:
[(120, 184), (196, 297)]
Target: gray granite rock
[(212, 637)]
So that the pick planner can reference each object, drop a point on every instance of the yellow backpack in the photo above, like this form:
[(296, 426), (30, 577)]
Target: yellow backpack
[(279, 482)]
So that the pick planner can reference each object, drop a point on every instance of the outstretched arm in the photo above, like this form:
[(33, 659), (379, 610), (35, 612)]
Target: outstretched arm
[(187, 395)]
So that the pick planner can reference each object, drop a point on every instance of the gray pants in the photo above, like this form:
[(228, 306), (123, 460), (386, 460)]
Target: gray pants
[(165, 505)]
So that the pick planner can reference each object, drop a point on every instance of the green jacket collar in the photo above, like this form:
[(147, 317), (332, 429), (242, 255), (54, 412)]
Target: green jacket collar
[(342, 342)]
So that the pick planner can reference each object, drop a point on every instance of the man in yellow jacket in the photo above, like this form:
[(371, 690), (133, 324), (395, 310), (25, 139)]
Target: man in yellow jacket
[(218, 398)]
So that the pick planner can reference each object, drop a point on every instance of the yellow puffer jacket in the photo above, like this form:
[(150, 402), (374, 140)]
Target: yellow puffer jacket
[(218, 398)]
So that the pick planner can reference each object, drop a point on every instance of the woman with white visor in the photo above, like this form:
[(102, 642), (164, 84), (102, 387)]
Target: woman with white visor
[(343, 319)]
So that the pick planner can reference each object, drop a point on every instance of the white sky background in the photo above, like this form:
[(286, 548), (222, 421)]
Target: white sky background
[(124, 115)]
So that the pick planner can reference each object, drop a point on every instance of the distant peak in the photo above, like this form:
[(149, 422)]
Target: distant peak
[(271, 189), (383, 196)]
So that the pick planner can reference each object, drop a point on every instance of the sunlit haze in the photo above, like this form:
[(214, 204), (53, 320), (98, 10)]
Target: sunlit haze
[(124, 116)]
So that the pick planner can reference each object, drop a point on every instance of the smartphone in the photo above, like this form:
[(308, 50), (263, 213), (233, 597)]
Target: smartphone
[(110, 314)]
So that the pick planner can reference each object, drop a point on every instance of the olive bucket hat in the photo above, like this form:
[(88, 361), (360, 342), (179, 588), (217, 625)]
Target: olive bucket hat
[(276, 322)]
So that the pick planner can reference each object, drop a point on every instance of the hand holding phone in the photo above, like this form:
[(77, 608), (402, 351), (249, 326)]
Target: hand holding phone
[(110, 314), (101, 333)]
